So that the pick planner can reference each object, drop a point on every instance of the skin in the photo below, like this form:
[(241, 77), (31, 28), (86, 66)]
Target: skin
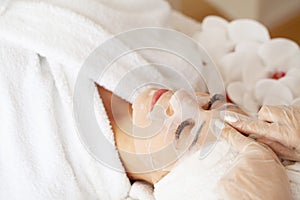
[(138, 113)]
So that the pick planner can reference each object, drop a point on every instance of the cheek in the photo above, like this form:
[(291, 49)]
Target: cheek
[(156, 143), (162, 140), (140, 115)]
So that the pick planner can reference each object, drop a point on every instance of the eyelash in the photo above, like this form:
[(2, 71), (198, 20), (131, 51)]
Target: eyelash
[(183, 124)]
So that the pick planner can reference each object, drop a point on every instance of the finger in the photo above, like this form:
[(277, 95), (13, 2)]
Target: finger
[(235, 139), (281, 150), (203, 100), (217, 105), (244, 123), (229, 190), (228, 107), (257, 127), (272, 113)]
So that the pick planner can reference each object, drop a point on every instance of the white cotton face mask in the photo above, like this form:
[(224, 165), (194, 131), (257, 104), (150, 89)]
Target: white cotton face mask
[(179, 130)]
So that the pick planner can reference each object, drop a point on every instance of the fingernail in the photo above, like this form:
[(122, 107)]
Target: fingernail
[(228, 117), (217, 127), (231, 119), (253, 136), (219, 124)]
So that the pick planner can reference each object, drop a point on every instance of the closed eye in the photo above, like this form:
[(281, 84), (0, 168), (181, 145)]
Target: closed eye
[(184, 124)]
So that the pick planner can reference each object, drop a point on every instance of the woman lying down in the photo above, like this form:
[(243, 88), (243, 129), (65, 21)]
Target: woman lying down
[(248, 169), (41, 156)]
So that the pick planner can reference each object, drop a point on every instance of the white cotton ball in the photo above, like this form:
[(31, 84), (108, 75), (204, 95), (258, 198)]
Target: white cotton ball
[(236, 91), (213, 22), (292, 81), (278, 51), (215, 42), (296, 102), (252, 69), (247, 46), (247, 30), (272, 92), (250, 103), (232, 65)]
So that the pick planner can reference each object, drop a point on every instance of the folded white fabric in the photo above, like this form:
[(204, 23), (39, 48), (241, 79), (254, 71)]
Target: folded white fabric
[(120, 15), (293, 172), (42, 46), (41, 154), (197, 176)]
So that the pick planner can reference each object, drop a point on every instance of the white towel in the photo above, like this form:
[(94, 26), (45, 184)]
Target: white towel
[(41, 155), (196, 178), (42, 46), (293, 172)]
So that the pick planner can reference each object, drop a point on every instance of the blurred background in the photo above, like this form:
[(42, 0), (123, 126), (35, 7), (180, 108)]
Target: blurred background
[(282, 17)]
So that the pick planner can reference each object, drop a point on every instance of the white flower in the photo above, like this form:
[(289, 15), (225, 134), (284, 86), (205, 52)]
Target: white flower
[(220, 37), (256, 69), (270, 74)]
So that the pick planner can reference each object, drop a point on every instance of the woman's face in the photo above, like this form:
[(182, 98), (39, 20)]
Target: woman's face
[(165, 119), (162, 119)]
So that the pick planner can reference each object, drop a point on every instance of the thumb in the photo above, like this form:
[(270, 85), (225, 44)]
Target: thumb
[(273, 113), (235, 138)]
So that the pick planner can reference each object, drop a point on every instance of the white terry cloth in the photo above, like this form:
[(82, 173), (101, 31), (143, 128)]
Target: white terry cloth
[(41, 155), (41, 27), (293, 172), (118, 15), (42, 46), (197, 178)]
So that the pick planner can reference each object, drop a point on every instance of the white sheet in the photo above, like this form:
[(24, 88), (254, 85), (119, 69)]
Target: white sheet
[(197, 178)]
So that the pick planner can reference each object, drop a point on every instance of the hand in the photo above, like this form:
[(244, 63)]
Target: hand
[(276, 126), (256, 173)]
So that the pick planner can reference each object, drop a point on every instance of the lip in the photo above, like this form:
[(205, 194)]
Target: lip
[(157, 95)]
